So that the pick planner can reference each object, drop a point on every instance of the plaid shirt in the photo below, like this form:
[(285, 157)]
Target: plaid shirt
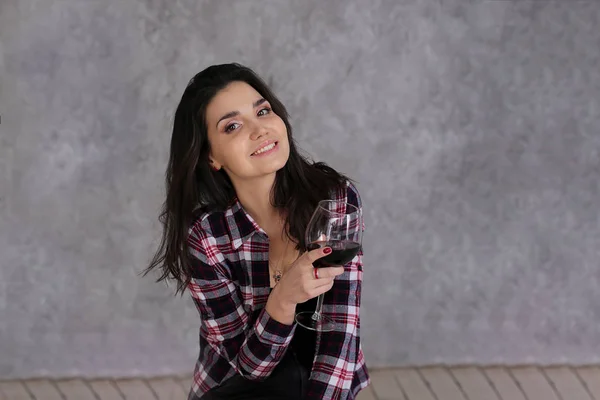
[(230, 286)]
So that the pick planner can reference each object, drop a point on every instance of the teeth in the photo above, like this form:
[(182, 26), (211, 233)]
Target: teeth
[(266, 148)]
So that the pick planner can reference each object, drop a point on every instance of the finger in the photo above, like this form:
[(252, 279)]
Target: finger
[(327, 288), (322, 283), (329, 272), (315, 254)]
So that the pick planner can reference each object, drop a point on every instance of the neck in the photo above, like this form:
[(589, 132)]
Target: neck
[(255, 197)]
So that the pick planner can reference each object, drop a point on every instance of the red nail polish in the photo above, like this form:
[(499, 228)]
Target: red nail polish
[(327, 250)]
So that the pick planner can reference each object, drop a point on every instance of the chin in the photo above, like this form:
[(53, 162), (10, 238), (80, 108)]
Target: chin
[(284, 159), (276, 165)]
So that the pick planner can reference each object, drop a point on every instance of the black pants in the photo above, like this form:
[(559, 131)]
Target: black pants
[(288, 381)]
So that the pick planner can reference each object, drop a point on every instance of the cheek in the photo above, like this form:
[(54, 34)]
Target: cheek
[(235, 152), (281, 128), (223, 150), (282, 125)]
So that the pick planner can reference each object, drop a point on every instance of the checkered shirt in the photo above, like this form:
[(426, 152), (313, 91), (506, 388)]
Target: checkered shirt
[(230, 287)]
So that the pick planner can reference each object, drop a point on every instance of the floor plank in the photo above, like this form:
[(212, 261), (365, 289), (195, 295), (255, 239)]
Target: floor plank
[(185, 383), (135, 389), (474, 383), (591, 378), (14, 390), (167, 389), (366, 394), (43, 389), (503, 384), (432, 383), (413, 386), (105, 389), (567, 384), (442, 383), (75, 389), (534, 383), (385, 385)]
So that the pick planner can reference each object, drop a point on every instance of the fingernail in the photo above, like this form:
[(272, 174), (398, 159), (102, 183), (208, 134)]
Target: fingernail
[(327, 250)]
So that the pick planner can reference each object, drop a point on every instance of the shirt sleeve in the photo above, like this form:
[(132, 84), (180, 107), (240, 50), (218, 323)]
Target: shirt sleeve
[(252, 348), (337, 354)]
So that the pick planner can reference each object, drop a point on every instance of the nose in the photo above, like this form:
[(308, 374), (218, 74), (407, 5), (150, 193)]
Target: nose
[(258, 131)]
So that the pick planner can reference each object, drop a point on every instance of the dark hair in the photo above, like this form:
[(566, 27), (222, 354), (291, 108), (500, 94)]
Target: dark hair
[(191, 183)]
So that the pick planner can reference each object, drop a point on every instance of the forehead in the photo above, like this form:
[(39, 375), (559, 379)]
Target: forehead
[(233, 97)]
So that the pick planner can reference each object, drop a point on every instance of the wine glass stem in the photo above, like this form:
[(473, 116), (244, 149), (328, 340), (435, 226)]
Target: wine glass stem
[(317, 315)]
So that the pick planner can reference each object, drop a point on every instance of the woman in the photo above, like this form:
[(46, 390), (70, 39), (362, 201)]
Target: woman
[(239, 197)]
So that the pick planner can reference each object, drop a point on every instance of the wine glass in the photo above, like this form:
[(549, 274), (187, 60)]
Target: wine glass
[(338, 225)]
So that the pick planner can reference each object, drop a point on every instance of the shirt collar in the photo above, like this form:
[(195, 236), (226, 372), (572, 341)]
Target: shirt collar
[(240, 224)]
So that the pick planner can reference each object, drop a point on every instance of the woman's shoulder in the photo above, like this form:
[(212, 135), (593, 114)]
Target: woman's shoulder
[(207, 237), (348, 192), (352, 194), (206, 222)]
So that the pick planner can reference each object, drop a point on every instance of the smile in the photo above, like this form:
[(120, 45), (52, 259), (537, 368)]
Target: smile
[(269, 148)]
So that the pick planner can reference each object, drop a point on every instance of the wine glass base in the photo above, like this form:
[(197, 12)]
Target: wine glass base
[(324, 324)]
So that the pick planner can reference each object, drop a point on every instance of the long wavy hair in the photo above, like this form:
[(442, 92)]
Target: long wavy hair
[(192, 184)]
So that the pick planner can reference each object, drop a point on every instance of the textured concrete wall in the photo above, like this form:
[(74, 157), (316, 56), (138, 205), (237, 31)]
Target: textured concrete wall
[(471, 127)]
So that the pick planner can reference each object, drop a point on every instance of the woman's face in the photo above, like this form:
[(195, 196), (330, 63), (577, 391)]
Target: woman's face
[(247, 139)]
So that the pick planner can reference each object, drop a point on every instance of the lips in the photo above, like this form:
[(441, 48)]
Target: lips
[(265, 147)]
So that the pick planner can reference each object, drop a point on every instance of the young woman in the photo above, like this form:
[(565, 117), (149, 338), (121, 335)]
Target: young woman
[(239, 198)]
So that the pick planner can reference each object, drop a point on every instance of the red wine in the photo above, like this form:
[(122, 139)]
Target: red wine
[(343, 252)]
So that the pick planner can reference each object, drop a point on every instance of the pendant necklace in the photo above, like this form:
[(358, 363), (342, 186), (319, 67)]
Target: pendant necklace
[(278, 274)]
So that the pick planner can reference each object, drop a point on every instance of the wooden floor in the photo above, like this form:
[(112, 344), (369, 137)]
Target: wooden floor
[(435, 383)]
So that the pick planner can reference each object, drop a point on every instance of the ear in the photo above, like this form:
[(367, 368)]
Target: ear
[(214, 164)]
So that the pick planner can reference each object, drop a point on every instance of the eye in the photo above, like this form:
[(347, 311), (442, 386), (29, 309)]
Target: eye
[(264, 111), (231, 127)]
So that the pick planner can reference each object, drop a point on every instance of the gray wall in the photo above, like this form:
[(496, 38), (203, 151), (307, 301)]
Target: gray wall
[(471, 127)]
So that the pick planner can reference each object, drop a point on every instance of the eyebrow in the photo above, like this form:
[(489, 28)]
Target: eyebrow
[(234, 113)]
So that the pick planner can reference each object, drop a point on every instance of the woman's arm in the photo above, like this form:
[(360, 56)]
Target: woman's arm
[(337, 353), (253, 348)]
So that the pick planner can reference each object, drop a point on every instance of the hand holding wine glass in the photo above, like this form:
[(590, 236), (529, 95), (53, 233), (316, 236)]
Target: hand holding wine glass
[(299, 285), (336, 225)]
